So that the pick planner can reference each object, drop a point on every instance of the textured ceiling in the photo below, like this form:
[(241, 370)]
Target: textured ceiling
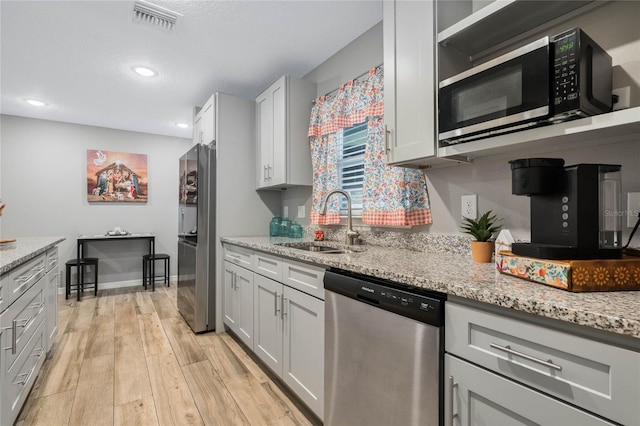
[(77, 55)]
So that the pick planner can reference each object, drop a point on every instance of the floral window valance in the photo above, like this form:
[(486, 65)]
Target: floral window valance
[(392, 196)]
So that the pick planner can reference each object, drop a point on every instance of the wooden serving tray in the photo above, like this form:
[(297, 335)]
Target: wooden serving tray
[(575, 275), (7, 240)]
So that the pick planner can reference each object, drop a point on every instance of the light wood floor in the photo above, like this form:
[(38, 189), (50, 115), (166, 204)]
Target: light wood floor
[(128, 358)]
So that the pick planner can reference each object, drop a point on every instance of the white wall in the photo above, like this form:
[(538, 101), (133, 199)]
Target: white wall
[(43, 175)]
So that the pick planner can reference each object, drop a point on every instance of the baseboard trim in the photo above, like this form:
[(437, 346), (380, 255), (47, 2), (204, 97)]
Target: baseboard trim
[(121, 284)]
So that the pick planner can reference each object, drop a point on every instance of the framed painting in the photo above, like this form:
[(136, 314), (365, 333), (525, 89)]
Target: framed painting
[(119, 177)]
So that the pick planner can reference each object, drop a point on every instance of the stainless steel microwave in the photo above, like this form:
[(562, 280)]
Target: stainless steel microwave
[(550, 80)]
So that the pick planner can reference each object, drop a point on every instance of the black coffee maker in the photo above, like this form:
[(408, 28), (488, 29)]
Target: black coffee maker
[(575, 210)]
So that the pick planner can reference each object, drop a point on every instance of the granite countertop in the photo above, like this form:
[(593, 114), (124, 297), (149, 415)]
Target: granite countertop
[(453, 274), (23, 249)]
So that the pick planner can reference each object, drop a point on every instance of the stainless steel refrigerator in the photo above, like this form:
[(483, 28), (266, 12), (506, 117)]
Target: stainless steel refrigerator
[(218, 198), (196, 238)]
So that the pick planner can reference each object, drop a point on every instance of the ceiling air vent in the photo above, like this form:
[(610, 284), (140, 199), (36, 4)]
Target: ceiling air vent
[(154, 15)]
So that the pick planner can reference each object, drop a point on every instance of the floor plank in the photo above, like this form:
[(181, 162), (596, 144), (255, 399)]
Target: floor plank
[(182, 341), (101, 336), (257, 405), (214, 402), (154, 339), (225, 362), (82, 315), (174, 403), (138, 412), (51, 410), (61, 372), (143, 302), (244, 357), (93, 403), (131, 374), (125, 316), (163, 305)]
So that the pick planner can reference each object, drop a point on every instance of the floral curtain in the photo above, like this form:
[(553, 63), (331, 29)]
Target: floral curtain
[(392, 196)]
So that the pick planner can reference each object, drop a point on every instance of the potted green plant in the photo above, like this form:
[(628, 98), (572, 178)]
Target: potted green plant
[(482, 230)]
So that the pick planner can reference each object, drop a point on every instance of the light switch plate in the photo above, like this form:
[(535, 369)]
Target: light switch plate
[(470, 206), (633, 208), (285, 211), (301, 212)]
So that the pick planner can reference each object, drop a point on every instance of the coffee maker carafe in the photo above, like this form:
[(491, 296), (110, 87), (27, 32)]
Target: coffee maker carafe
[(575, 210)]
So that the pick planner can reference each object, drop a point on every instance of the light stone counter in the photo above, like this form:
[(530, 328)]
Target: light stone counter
[(14, 254), (453, 274)]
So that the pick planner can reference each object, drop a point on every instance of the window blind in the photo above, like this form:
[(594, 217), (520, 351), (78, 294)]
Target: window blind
[(351, 145)]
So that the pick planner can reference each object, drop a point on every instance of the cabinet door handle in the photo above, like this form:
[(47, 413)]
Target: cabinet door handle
[(387, 136), (269, 171), (275, 303), (264, 173), (235, 281), (284, 303), (508, 350), (452, 386)]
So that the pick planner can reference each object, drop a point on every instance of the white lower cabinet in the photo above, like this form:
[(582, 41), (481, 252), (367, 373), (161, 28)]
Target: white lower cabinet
[(238, 301), (23, 348), (503, 370), (52, 283), (303, 347), (479, 397), (289, 338), (287, 319), (267, 312)]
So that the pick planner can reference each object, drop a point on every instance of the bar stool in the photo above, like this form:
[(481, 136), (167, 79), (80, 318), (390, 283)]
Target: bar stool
[(146, 269), (81, 264)]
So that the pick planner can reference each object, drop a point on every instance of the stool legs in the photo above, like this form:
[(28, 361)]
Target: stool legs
[(82, 273)]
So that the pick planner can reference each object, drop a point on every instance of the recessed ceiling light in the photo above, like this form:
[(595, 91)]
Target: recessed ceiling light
[(144, 71), (35, 102), (182, 125)]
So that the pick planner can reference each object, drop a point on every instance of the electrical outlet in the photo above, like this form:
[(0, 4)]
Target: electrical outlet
[(624, 98), (470, 206), (633, 208), (301, 212)]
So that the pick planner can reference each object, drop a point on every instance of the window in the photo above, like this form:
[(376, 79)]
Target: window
[(351, 144)]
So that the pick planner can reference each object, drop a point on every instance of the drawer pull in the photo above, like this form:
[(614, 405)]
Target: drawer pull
[(24, 278), (37, 305), (508, 349), (26, 376), (234, 258), (37, 352)]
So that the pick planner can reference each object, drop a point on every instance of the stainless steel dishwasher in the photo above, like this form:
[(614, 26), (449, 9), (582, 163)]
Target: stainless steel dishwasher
[(383, 353)]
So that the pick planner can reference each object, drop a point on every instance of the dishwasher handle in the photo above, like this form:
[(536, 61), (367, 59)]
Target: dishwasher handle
[(368, 300)]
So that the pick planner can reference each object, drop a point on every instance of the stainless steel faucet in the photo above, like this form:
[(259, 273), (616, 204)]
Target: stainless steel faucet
[(352, 236)]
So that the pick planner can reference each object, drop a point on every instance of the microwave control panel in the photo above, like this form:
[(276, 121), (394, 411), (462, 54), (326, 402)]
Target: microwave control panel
[(565, 87)]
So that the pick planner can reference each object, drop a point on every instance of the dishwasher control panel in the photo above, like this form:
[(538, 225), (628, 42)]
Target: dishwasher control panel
[(412, 305)]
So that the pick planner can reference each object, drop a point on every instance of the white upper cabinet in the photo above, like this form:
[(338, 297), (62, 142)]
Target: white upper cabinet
[(204, 123), (469, 35), (409, 82), (282, 148)]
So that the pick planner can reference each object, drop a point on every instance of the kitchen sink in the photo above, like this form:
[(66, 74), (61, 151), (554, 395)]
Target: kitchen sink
[(322, 247)]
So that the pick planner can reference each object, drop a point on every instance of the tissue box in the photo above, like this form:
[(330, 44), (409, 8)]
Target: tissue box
[(574, 275)]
